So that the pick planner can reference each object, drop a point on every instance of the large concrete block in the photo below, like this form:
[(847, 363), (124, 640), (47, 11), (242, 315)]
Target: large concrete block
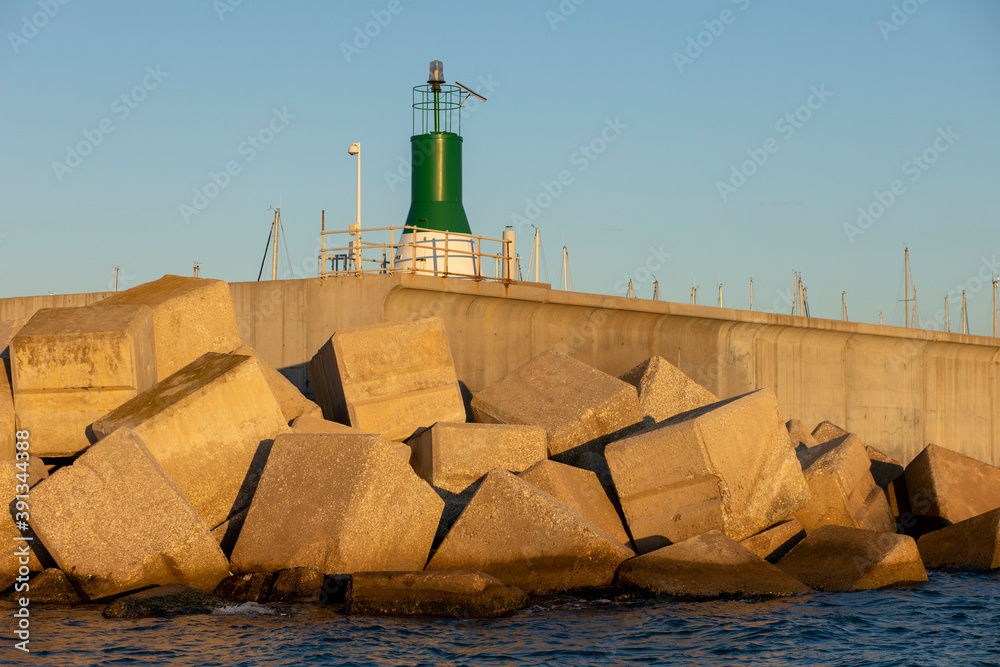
[(800, 435), (973, 544), (580, 407), (826, 431), (452, 456), (340, 504), (842, 490), (951, 487), (71, 366), (391, 378), (209, 425), (457, 594), (114, 522), (524, 537), (581, 491), (293, 403), (8, 422), (729, 466), (191, 316), (665, 391), (710, 565), (13, 477), (835, 558), (309, 424)]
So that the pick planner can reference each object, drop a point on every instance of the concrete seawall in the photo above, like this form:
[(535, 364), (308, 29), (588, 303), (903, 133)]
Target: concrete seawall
[(897, 388)]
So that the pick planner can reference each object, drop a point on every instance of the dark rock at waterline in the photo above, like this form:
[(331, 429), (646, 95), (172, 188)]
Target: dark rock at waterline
[(457, 594), (250, 587), (172, 600)]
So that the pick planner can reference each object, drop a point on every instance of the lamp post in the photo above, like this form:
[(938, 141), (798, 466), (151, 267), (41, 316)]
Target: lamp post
[(355, 149)]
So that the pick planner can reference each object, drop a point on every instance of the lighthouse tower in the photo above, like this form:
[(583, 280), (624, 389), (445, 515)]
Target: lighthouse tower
[(437, 236)]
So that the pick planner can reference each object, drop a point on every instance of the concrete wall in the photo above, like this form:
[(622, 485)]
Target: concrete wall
[(897, 388)]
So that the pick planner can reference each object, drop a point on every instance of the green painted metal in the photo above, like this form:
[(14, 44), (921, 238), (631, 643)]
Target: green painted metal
[(436, 187), (436, 152)]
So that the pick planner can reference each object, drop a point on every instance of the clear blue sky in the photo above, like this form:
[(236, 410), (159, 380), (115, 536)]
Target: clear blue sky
[(888, 95)]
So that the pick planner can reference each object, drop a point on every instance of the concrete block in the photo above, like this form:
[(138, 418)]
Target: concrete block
[(973, 544), (799, 434), (166, 602), (191, 316), (455, 594), (710, 565), (340, 504), (842, 490), (664, 390), (581, 491), (310, 424), (114, 522), (250, 587), (728, 466), (12, 479), (50, 587), (209, 425), (580, 407), (297, 584), (9, 329), (884, 469), (951, 487), (391, 378), (826, 431), (836, 558), (772, 544), (293, 403), (71, 366), (8, 422), (524, 537), (452, 456)]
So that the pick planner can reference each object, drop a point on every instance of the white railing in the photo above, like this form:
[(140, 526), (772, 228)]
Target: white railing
[(354, 253)]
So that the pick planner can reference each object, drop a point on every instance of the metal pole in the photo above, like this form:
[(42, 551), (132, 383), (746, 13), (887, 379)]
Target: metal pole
[(274, 245), (843, 299), (720, 295), (751, 295), (913, 320), (656, 290), (537, 245), (629, 295), (880, 318), (965, 315), (509, 248), (322, 243), (565, 280), (906, 271), (947, 316), (196, 269), (994, 307), (116, 279)]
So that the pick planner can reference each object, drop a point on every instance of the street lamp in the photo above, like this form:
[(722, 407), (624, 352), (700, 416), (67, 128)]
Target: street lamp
[(355, 149)]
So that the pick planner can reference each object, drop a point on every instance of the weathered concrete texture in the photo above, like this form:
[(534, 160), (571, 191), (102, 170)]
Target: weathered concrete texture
[(799, 434), (580, 407), (452, 456), (772, 544), (835, 558), (191, 316), (455, 594), (227, 532), (114, 522), (729, 466), (293, 403), (950, 486), (710, 565), (826, 431), (209, 425), (973, 544), (51, 586), (309, 424), (71, 366), (524, 537), (664, 390), (166, 601), (318, 425), (298, 584), (8, 329), (581, 491), (339, 503), (842, 490), (250, 587), (12, 550), (390, 379)]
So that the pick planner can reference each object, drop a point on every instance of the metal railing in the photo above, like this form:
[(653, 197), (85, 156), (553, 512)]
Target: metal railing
[(427, 256)]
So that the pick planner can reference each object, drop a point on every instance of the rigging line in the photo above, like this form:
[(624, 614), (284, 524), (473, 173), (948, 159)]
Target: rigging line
[(262, 261)]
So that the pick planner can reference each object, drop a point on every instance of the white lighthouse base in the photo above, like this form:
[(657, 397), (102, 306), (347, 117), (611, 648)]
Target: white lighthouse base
[(427, 257)]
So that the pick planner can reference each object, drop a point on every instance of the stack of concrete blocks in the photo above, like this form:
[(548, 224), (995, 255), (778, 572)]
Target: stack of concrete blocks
[(392, 379)]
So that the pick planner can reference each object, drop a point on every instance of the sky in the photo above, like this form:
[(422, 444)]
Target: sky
[(702, 143)]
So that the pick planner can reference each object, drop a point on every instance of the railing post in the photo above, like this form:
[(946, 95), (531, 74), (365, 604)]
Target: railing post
[(392, 261), (479, 257), (445, 253)]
